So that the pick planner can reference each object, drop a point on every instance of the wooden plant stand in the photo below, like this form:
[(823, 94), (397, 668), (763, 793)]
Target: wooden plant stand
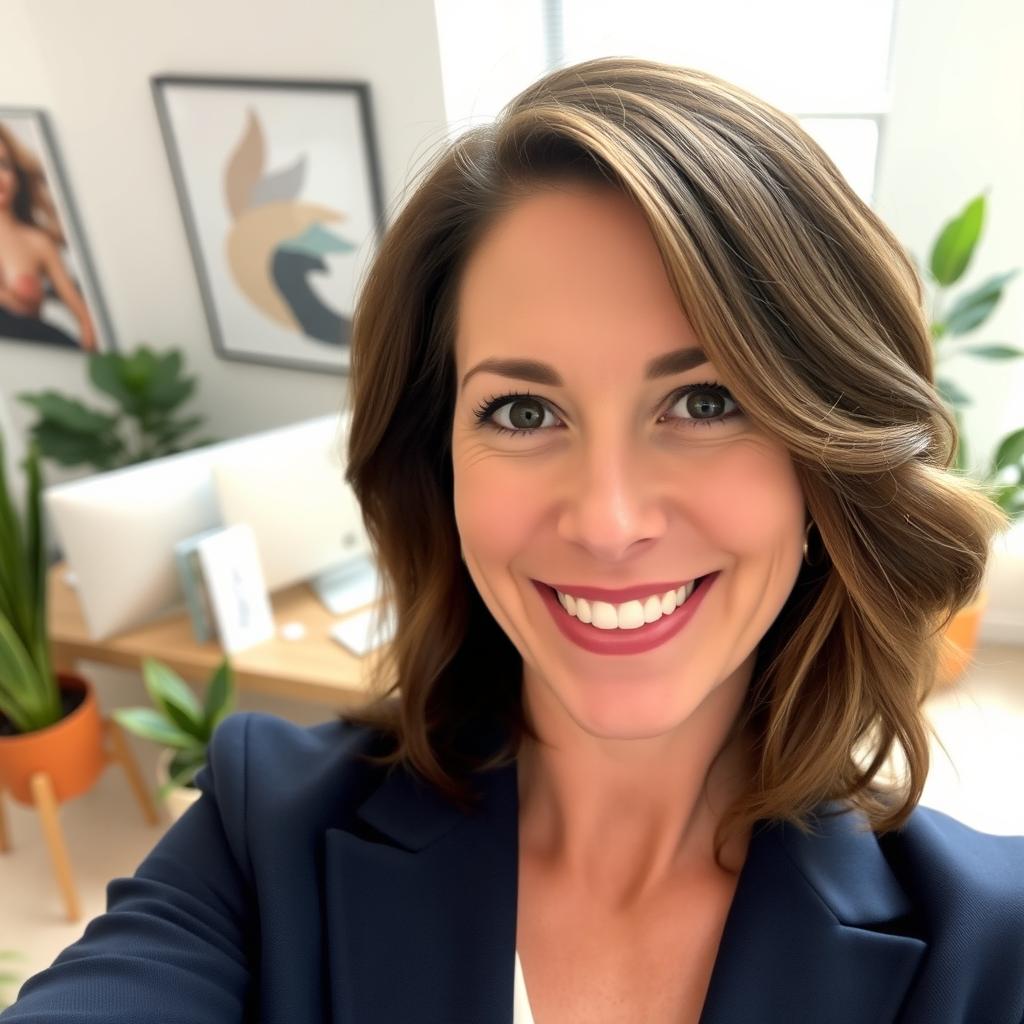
[(116, 751)]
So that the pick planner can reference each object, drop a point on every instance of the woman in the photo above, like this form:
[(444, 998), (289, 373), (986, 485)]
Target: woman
[(645, 435), (30, 244)]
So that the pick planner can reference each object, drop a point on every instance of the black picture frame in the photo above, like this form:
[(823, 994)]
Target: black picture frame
[(54, 323), (252, 145)]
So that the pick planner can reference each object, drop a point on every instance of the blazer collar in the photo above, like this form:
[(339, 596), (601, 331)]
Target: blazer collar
[(421, 905)]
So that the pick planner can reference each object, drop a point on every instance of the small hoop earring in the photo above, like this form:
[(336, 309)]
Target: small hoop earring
[(807, 537)]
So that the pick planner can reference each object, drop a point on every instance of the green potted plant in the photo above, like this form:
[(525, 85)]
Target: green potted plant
[(950, 257), (181, 725), (1003, 475), (50, 721), (148, 388)]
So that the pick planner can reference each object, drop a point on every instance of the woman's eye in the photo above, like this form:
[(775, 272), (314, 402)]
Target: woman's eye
[(705, 404), (524, 413), (517, 413)]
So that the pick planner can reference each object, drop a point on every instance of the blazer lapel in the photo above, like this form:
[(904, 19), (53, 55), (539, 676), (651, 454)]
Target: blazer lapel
[(819, 930), (421, 902)]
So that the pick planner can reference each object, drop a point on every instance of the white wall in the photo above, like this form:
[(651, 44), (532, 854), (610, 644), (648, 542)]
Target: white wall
[(23, 75)]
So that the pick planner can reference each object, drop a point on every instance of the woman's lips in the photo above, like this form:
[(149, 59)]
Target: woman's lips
[(625, 641)]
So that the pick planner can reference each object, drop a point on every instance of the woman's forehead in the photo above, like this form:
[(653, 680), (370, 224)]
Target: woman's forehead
[(580, 271), (580, 233)]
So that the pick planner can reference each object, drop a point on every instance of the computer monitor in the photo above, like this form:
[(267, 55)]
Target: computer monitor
[(117, 529), (290, 488)]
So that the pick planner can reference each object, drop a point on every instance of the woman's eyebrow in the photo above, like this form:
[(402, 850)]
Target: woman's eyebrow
[(679, 361)]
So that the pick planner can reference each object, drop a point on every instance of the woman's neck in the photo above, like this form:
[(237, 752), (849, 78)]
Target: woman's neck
[(621, 822)]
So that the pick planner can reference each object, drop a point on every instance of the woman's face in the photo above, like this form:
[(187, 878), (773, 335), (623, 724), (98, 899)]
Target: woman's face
[(624, 481), (8, 180)]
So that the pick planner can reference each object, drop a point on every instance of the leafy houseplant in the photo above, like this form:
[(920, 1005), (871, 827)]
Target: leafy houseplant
[(148, 388), (51, 730), (1003, 477), (177, 720), (29, 694), (52, 733), (950, 256)]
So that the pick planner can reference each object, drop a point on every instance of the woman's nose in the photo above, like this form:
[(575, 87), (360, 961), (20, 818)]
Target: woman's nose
[(613, 499)]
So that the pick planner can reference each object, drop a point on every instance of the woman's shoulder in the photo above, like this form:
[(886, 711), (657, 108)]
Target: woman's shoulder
[(942, 836), (960, 879), (335, 739), (967, 878), (255, 757), (39, 240), (950, 848), (275, 729), (933, 840)]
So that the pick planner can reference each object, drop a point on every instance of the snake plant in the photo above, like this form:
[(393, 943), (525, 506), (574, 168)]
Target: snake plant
[(29, 693)]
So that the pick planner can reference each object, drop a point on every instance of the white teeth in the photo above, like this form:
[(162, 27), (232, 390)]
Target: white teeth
[(652, 608), (605, 616), (630, 614)]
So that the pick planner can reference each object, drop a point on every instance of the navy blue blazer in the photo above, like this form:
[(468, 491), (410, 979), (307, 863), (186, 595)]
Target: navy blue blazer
[(306, 886)]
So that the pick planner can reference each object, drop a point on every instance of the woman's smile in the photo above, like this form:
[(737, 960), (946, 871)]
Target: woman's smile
[(604, 628)]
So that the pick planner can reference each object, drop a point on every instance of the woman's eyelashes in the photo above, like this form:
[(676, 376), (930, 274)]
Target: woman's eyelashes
[(709, 399)]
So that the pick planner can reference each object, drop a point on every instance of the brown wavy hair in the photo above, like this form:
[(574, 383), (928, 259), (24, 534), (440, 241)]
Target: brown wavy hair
[(33, 203), (812, 312)]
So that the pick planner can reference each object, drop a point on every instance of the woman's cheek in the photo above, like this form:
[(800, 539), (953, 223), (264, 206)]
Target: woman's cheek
[(493, 512), (754, 495)]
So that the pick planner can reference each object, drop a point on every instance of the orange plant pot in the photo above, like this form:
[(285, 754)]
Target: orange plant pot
[(963, 632), (70, 751)]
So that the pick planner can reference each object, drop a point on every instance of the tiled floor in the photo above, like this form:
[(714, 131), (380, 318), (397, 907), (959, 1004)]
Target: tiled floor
[(980, 721)]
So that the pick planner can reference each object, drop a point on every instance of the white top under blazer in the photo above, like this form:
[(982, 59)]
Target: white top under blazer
[(521, 1013)]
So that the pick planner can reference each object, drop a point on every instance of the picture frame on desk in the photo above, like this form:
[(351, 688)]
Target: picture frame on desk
[(229, 587), (193, 586)]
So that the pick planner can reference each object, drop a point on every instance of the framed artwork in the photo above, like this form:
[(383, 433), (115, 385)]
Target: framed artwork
[(48, 290), (280, 192)]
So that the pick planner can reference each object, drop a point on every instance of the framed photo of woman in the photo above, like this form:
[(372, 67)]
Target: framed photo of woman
[(280, 192), (48, 290)]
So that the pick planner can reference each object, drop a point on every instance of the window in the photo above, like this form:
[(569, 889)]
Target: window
[(826, 64)]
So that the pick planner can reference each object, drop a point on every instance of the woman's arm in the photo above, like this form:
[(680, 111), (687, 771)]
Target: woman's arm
[(67, 290), (176, 939)]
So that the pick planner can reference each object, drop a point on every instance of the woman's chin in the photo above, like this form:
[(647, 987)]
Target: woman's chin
[(619, 710)]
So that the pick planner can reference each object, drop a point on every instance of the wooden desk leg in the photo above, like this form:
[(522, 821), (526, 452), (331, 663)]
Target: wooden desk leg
[(122, 753), (46, 803), (4, 841)]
